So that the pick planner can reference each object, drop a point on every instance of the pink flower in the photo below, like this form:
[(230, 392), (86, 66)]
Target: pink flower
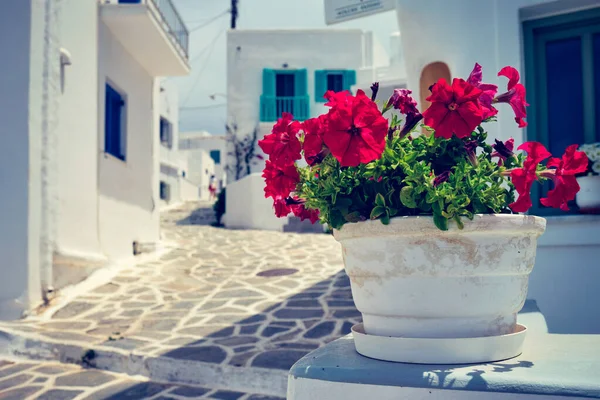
[(281, 207), (489, 91), (314, 129), (402, 101), (280, 181), (515, 96)]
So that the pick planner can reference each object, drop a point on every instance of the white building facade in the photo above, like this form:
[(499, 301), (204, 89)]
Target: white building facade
[(275, 71), (85, 131), (556, 47), (174, 183), (201, 147)]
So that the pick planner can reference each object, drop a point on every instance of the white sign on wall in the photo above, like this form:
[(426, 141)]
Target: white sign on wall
[(343, 10)]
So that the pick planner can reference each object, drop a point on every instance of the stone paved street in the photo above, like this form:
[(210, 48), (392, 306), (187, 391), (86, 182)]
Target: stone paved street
[(52, 381), (226, 298)]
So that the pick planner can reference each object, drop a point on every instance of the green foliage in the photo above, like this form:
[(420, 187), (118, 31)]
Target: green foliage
[(401, 183), (219, 207)]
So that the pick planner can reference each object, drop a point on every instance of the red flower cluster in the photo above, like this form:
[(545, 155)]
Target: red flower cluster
[(356, 130), (562, 173), (459, 108), (454, 109)]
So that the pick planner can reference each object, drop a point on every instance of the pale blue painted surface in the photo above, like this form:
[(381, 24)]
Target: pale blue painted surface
[(551, 364)]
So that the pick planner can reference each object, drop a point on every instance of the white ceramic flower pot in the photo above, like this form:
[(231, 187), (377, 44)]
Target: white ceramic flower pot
[(588, 197), (411, 280)]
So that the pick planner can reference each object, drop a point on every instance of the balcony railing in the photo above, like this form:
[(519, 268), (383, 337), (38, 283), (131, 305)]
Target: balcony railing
[(271, 107), (171, 20)]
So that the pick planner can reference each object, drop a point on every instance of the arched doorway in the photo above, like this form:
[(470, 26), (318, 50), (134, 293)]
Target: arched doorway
[(429, 75)]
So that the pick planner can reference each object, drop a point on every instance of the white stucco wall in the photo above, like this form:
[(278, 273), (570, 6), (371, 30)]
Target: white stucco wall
[(207, 142), (128, 190), (200, 169), (444, 31), (21, 37), (78, 146), (247, 207)]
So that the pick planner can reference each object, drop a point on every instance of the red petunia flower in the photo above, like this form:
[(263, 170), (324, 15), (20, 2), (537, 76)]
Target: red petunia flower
[(523, 178), (515, 96), (314, 129), (280, 181), (356, 130), (454, 109), (282, 209), (303, 213), (489, 91), (282, 145), (565, 184), (503, 150), (338, 98)]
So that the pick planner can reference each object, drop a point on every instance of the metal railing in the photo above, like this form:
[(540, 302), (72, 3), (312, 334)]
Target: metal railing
[(271, 107), (171, 21)]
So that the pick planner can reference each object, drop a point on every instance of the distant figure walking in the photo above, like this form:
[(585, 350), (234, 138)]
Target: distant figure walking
[(212, 188)]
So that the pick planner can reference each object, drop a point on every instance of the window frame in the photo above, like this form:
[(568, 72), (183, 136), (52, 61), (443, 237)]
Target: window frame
[(322, 81), (169, 132), (536, 33), (113, 95), (216, 151)]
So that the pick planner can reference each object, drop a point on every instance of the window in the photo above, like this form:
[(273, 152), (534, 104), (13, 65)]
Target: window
[(165, 191), (335, 80), (562, 55), (114, 126), (216, 156), (284, 91), (166, 132)]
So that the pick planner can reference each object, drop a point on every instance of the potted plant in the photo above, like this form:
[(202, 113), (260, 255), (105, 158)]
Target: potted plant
[(437, 254), (588, 198)]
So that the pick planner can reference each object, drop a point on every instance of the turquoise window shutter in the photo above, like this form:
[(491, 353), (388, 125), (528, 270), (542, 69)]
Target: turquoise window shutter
[(301, 83), (349, 79), (320, 85), (267, 99), (268, 82), (301, 104)]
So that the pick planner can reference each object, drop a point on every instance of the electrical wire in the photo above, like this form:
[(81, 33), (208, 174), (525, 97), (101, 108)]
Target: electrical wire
[(210, 48), (203, 107), (210, 21)]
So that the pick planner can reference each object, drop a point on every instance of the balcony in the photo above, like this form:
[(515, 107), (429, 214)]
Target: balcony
[(152, 31), (271, 107)]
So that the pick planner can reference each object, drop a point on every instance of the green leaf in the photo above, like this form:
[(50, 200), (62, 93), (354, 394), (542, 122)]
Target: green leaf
[(459, 222), (377, 212), (385, 219), (336, 219), (440, 221), (380, 200), (406, 198)]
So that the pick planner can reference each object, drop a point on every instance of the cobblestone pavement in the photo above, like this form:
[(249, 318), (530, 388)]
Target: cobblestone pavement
[(226, 297), (52, 381)]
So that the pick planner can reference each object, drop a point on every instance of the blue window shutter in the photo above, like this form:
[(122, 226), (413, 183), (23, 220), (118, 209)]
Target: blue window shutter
[(320, 85), (112, 123), (349, 79), (301, 83)]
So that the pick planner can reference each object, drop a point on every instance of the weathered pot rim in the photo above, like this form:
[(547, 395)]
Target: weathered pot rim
[(423, 225)]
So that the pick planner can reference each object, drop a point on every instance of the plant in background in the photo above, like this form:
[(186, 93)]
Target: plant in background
[(219, 207), (592, 151), (362, 165), (243, 152)]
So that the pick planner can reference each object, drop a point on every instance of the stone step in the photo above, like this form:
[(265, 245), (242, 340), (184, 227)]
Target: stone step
[(259, 381), (20, 379)]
